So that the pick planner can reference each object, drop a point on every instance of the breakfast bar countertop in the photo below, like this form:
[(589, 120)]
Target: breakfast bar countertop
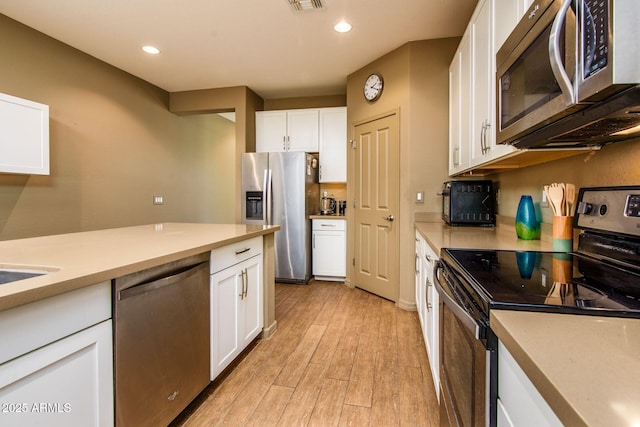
[(76, 260)]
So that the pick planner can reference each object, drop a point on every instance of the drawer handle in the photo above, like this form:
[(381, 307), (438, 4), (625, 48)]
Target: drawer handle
[(327, 225), (241, 251)]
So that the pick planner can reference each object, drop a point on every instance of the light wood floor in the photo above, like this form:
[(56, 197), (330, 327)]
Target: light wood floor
[(341, 356)]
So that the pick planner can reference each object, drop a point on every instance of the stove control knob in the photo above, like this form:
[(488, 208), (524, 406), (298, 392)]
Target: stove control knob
[(584, 208)]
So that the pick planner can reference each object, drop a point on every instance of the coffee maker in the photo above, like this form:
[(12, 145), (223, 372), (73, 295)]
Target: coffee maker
[(327, 205)]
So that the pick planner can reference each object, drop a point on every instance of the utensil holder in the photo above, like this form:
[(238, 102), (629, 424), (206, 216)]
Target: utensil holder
[(562, 233)]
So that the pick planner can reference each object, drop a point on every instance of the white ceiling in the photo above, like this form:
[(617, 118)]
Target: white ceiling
[(262, 44)]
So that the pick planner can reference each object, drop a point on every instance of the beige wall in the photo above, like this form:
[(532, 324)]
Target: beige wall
[(416, 85), (615, 164), (114, 145), (305, 102)]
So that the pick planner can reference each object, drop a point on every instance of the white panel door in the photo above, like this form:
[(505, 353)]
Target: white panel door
[(66, 383), (271, 131), (225, 318), (303, 130)]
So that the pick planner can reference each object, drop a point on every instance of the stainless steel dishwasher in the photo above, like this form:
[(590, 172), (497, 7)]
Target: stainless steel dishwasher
[(161, 341)]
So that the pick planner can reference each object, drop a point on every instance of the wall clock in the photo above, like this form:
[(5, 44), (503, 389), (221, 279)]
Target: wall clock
[(373, 87)]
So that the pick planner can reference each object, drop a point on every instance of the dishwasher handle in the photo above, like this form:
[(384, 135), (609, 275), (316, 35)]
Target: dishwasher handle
[(171, 279)]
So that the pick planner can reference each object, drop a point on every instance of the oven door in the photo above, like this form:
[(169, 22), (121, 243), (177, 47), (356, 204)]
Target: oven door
[(536, 70), (468, 357)]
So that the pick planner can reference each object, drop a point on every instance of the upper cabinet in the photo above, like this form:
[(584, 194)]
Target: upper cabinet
[(459, 107), (287, 130), (473, 90), (472, 94), (321, 130), (24, 136), (333, 144)]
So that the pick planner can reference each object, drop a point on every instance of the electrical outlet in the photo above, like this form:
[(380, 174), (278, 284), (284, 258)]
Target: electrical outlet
[(544, 203), (420, 197), (158, 200)]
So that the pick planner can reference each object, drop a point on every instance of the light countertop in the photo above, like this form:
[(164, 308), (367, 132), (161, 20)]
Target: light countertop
[(587, 368), (82, 259), (440, 235)]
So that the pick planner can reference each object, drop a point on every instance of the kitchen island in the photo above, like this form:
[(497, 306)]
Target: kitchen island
[(586, 368), (56, 362), (76, 260)]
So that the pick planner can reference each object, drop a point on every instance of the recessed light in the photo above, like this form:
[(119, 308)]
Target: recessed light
[(151, 50), (342, 27)]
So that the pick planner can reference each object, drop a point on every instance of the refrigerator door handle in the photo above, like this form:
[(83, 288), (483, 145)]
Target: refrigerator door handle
[(268, 196)]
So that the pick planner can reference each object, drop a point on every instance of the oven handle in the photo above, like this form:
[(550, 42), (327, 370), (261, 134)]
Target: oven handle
[(459, 311)]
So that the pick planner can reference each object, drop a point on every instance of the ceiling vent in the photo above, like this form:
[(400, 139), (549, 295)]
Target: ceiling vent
[(302, 5)]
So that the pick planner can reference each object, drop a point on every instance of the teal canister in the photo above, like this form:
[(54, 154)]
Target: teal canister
[(527, 226)]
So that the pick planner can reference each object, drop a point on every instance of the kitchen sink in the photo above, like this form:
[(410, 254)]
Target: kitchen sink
[(13, 274)]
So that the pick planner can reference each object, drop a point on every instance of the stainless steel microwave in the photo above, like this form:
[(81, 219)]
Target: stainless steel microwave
[(569, 74)]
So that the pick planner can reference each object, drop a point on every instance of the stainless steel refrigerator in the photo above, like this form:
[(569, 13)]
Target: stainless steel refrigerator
[(282, 189)]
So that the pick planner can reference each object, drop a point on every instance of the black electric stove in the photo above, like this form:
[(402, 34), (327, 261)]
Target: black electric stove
[(601, 278)]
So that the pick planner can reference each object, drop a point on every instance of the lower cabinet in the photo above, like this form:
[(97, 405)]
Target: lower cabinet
[(236, 301), (427, 305), (519, 402), (329, 246), (68, 381)]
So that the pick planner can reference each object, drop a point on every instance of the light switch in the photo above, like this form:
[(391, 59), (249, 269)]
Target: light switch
[(420, 197)]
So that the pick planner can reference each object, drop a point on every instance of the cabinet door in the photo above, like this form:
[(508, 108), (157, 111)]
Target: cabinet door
[(303, 130), (236, 311), (522, 403), (333, 144), (419, 280), (455, 113), (432, 317), (460, 110), (225, 318), (482, 86), (271, 131), (506, 14), (24, 136), (252, 301), (66, 383), (329, 254)]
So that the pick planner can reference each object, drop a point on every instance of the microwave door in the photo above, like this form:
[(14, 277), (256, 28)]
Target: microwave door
[(528, 93)]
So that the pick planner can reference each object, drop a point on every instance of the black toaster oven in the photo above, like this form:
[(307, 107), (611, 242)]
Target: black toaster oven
[(468, 203)]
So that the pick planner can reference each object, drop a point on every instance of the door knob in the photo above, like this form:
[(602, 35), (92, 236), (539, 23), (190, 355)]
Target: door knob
[(389, 218)]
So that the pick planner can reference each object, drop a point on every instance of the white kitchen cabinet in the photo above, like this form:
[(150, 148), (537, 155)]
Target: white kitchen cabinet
[(472, 93), (56, 363), (329, 246), (236, 300), (24, 136), (333, 144), (427, 304), (519, 402), (287, 130), (460, 107), (66, 383)]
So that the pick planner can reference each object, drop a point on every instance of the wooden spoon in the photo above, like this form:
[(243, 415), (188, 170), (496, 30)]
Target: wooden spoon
[(570, 196), (556, 198)]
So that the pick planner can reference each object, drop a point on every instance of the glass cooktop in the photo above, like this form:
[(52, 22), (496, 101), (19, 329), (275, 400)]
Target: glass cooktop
[(544, 281)]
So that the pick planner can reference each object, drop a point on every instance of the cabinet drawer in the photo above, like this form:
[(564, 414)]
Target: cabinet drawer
[(329, 224), (234, 253), (28, 327)]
